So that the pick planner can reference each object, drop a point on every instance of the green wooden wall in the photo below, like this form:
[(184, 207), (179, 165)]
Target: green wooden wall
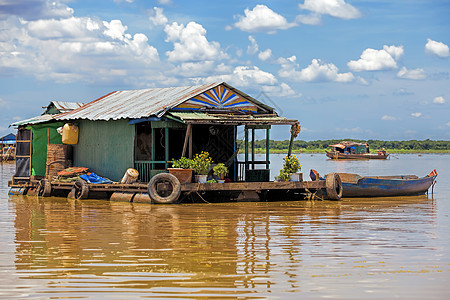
[(105, 147)]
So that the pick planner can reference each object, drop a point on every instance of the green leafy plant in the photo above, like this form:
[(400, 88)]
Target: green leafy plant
[(220, 170), (183, 163), (211, 181), (202, 163), (283, 176), (291, 164)]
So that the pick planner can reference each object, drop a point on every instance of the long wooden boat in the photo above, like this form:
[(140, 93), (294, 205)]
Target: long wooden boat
[(339, 155), (353, 150), (354, 185)]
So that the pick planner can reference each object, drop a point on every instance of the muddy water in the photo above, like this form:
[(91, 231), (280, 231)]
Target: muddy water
[(356, 248)]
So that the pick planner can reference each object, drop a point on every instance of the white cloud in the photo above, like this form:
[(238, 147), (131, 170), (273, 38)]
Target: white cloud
[(158, 18), (3, 103), (35, 10), (282, 90), (387, 118), (415, 74), (439, 100), (437, 48), (311, 19), (416, 114), (74, 49), (317, 71), (262, 19), (190, 43), (335, 8), (243, 76), (265, 55), (376, 60), (448, 124), (253, 48)]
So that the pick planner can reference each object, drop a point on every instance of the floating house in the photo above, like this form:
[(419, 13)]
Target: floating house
[(8, 147), (145, 129)]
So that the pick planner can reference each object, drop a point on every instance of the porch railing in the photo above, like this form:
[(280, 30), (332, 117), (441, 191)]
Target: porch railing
[(147, 169)]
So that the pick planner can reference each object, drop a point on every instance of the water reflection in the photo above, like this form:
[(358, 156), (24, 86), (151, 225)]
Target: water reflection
[(237, 249)]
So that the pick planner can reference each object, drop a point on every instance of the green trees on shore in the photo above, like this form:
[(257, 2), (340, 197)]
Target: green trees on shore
[(411, 146)]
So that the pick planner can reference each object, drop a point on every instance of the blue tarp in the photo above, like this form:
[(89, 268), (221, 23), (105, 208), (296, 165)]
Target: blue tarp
[(94, 178)]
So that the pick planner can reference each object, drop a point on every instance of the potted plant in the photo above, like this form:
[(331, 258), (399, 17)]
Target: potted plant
[(291, 165), (182, 169), (221, 171), (201, 164)]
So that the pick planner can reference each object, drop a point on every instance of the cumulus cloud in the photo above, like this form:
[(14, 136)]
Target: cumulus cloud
[(158, 18), (282, 90), (262, 19), (416, 114), (244, 76), (439, 100), (253, 47), (73, 49), (387, 118), (437, 48), (376, 60), (190, 43), (416, 74), (265, 55), (335, 8), (34, 10), (317, 71)]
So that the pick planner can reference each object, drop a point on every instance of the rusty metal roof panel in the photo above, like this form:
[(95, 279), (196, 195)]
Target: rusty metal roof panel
[(64, 106), (133, 104)]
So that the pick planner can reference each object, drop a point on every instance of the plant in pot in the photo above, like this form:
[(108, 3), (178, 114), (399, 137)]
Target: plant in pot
[(291, 166), (221, 171), (201, 164), (182, 169)]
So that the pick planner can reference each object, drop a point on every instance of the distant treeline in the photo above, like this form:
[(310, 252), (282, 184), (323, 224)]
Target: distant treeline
[(411, 146)]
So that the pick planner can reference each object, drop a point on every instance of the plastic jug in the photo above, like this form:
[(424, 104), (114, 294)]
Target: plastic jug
[(70, 134)]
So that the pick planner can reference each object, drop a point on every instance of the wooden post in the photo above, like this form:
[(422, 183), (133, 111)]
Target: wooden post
[(290, 145), (186, 139), (253, 148), (190, 144), (267, 148), (153, 148), (246, 148), (166, 146)]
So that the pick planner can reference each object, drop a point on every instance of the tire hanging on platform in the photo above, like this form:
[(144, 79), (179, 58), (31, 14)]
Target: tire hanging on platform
[(44, 188), (164, 188), (80, 190), (334, 186)]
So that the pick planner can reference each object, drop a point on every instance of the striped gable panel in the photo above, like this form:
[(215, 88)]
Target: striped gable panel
[(218, 97)]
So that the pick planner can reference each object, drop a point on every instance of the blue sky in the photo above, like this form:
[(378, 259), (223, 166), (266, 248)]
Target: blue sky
[(344, 68)]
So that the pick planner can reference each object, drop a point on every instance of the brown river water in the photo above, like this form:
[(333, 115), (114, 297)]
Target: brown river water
[(382, 248)]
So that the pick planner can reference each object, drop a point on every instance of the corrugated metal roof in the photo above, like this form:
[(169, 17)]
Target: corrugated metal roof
[(134, 104), (226, 119), (34, 120), (64, 106)]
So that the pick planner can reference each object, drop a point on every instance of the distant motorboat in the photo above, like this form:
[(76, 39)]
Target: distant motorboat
[(354, 185), (353, 150)]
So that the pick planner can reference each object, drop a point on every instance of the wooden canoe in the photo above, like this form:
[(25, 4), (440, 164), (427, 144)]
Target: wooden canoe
[(354, 185)]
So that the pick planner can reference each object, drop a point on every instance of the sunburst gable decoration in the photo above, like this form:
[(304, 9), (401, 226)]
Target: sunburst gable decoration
[(218, 97)]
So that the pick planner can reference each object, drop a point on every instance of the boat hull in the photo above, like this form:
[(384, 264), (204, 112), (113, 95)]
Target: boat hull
[(338, 155), (385, 187)]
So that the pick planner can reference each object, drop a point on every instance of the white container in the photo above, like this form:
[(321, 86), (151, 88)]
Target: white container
[(201, 178), (130, 176), (294, 177)]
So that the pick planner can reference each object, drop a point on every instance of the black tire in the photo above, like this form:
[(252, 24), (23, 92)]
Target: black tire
[(164, 188), (44, 188), (334, 186), (80, 190)]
